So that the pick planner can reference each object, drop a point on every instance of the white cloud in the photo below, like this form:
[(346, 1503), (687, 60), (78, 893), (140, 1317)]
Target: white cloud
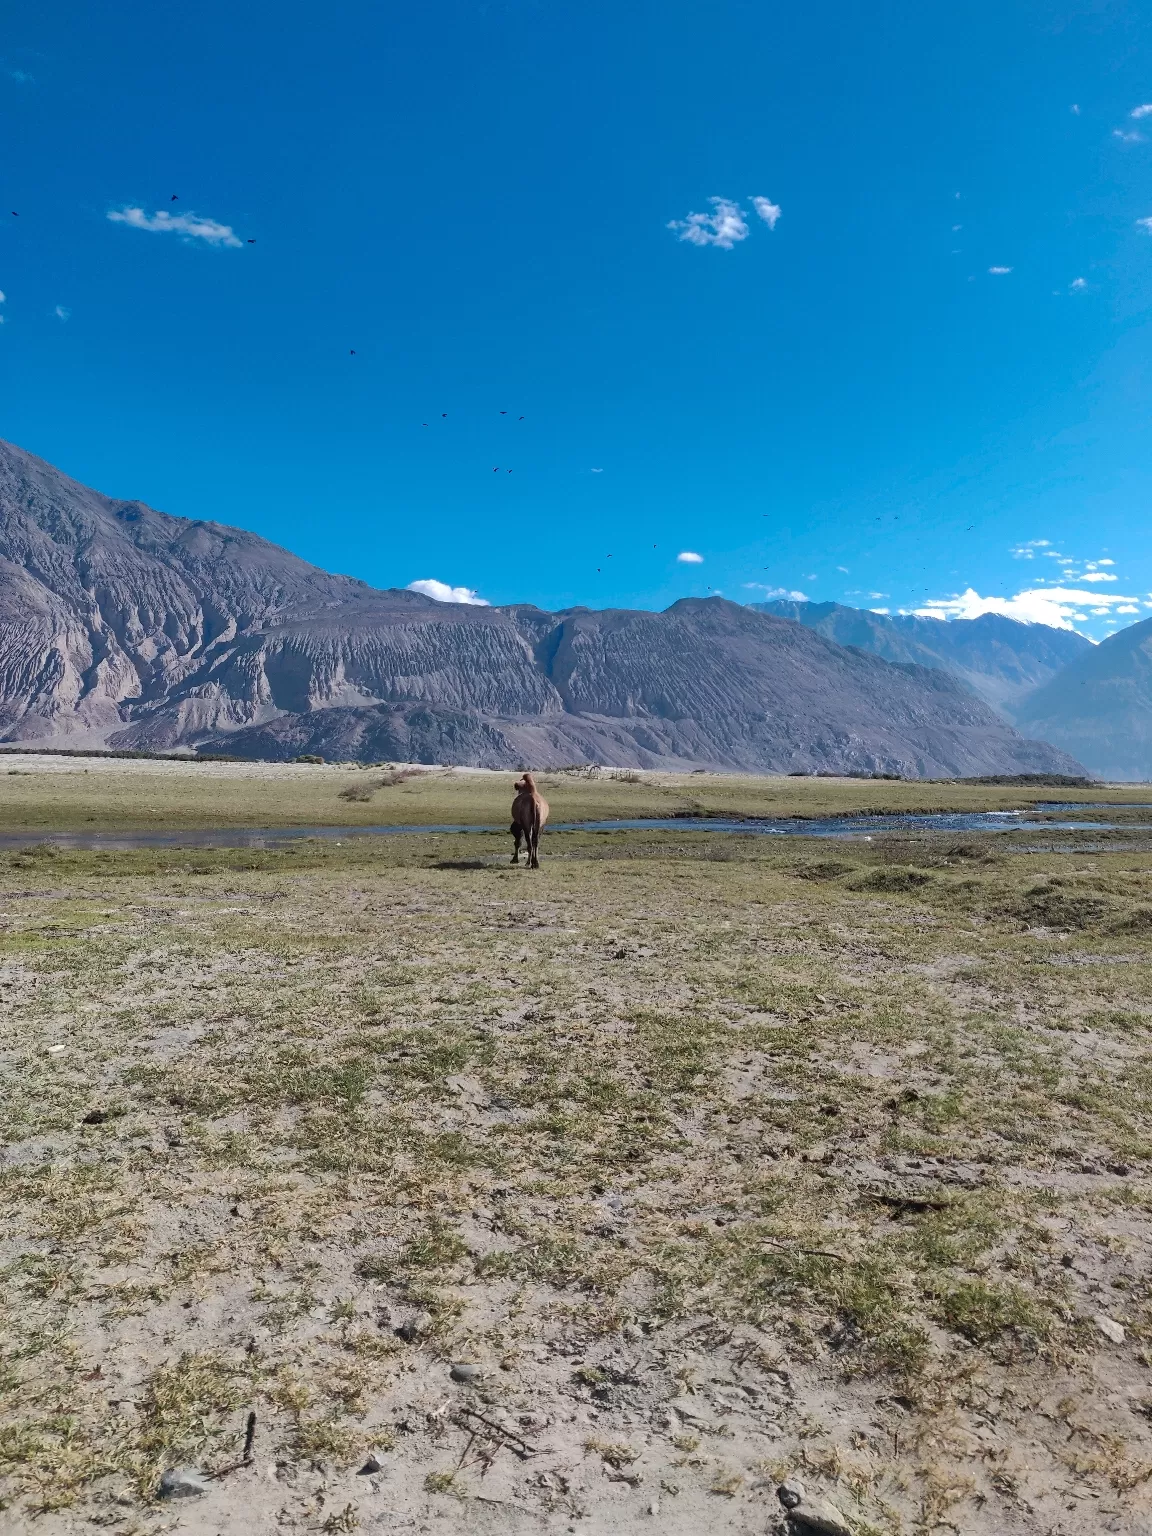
[(61, 313), (1097, 576), (443, 593), (880, 610), (1145, 224), (843, 568), (1057, 606), (725, 227), (758, 586), (1077, 283), (1128, 138), (1144, 111), (1128, 608), (690, 557), (879, 594), (597, 471), (190, 225), (1103, 562), (999, 271), (767, 210)]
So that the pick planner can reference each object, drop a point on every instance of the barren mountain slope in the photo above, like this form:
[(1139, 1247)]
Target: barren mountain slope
[(122, 624), (1101, 707)]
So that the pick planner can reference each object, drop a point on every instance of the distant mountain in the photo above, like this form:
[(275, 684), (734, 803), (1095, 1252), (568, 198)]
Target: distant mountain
[(122, 625), (1100, 708), (1000, 659)]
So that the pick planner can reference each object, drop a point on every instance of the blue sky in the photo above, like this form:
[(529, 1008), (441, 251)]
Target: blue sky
[(833, 390)]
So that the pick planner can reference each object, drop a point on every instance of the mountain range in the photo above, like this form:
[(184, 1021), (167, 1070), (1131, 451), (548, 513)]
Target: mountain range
[(999, 658), (124, 626)]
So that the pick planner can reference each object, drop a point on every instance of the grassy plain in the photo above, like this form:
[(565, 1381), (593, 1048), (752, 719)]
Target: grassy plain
[(720, 1158), (42, 793)]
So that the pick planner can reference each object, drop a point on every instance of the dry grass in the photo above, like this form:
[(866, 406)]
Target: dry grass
[(720, 1157)]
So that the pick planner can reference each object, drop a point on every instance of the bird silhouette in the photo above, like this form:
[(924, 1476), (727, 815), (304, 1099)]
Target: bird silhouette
[(503, 413), (173, 198), (251, 242), (351, 351), (519, 418), (15, 215), (443, 415), (495, 469)]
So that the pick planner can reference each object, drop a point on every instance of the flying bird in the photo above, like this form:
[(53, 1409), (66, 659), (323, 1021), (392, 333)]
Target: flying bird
[(519, 418), (351, 351), (15, 215), (174, 198), (503, 413), (251, 242), (443, 415)]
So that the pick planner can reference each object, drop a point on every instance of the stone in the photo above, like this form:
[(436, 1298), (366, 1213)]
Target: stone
[(791, 1492), (415, 1327), (182, 1483), (1110, 1328), (373, 1462), (632, 1332), (820, 1516), (468, 1374)]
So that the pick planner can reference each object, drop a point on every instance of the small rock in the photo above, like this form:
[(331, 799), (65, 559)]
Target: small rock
[(54, 1050), (1110, 1328), (182, 1483), (415, 1327), (791, 1493), (654, 1507), (468, 1374), (816, 1515), (373, 1462), (1123, 1169), (632, 1332), (95, 1117)]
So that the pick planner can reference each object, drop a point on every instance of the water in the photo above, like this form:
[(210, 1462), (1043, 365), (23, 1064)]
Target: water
[(780, 826)]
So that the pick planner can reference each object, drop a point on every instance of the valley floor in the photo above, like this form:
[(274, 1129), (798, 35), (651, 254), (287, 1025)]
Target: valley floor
[(713, 1161)]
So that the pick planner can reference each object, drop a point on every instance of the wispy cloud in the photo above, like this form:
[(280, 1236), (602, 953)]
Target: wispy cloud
[(21, 76), (443, 593), (2, 298), (1128, 136), (768, 210), (1077, 283), (690, 557), (725, 226), (1061, 607), (61, 313), (1097, 576), (1028, 551), (1142, 111), (999, 271), (1145, 224), (190, 225)]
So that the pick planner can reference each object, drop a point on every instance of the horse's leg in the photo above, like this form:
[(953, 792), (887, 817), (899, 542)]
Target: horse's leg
[(534, 834)]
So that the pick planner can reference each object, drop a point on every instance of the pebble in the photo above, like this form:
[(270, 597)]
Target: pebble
[(791, 1492), (373, 1462), (182, 1483), (1110, 1328), (632, 1332), (54, 1050), (466, 1373)]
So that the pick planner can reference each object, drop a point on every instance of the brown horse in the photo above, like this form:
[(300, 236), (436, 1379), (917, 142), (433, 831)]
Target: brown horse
[(529, 813)]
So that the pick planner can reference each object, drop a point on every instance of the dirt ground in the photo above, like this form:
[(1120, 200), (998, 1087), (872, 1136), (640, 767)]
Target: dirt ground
[(594, 1200)]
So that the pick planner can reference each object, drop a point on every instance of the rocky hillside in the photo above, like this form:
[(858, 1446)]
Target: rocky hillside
[(122, 625), (1000, 659), (1101, 707)]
